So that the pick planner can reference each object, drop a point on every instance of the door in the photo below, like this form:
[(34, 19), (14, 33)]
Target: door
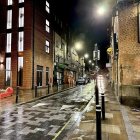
[(39, 75)]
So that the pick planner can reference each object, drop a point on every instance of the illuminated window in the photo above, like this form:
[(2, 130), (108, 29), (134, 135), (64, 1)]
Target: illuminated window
[(20, 71), (8, 71), (9, 19), (20, 1), (10, 2), (9, 41), (21, 17), (47, 46), (20, 41), (47, 26), (47, 7)]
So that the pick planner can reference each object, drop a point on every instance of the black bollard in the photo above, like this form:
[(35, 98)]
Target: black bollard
[(57, 86), (103, 105), (48, 88), (17, 92), (97, 95), (35, 91), (98, 123)]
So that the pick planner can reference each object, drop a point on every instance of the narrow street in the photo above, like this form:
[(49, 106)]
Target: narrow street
[(47, 118)]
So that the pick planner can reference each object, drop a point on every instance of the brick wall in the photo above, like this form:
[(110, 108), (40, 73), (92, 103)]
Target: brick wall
[(129, 48)]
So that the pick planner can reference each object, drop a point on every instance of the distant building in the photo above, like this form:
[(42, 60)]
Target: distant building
[(26, 47), (126, 45)]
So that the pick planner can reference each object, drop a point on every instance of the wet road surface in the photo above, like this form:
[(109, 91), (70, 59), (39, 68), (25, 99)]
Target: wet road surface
[(45, 119)]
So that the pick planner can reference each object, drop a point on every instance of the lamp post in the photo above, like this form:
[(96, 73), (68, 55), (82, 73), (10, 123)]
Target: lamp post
[(96, 56)]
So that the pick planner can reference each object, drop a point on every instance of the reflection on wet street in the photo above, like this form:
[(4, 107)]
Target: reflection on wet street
[(45, 118)]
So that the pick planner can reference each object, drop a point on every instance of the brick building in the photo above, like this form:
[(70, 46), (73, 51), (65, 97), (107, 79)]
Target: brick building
[(126, 45), (26, 47)]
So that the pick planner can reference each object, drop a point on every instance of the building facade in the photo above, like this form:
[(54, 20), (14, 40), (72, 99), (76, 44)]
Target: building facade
[(126, 45), (26, 48)]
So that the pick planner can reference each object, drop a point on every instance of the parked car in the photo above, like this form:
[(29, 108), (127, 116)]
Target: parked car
[(81, 80)]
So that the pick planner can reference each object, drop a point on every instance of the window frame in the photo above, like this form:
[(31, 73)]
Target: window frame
[(47, 46)]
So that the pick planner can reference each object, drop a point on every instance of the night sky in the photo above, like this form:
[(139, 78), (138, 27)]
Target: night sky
[(88, 26)]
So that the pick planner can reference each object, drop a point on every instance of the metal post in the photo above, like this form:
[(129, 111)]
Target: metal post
[(36, 91), (97, 95), (57, 85), (48, 88), (17, 92), (103, 105), (98, 123)]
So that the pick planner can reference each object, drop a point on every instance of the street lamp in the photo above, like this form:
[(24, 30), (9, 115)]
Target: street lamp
[(78, 46), (101, 10), (89, 61), (86, 55)]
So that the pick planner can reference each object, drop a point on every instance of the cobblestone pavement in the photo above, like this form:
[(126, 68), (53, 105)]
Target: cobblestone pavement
[(44, 119)]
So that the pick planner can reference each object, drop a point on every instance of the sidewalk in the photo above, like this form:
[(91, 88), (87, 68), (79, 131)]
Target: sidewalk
[(121, 122), (29, 95)]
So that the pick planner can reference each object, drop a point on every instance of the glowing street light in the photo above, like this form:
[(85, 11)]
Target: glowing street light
[(89, 61), (86, 55), (78, 46), (101, 10)]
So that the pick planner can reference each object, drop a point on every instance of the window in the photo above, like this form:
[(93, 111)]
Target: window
[(9, 19), (20, 71), (47, 26), (47, 7), (20, 1), (9, 38), (21, 17), (8, 71), (47, 46), (20, 41), (10, 2)]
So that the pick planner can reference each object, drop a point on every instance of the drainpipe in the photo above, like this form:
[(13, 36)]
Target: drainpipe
[(33, 34)]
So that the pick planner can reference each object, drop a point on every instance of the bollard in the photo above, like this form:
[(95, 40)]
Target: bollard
[(103, 105), (35, 91), (98, 123), (57, 86), (17, 92), (97, 95), (48, 88)]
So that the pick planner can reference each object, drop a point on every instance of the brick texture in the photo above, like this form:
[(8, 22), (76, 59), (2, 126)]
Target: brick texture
[(129, 48)]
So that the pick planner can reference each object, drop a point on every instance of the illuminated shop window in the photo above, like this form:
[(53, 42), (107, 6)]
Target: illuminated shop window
[(9, 19), (20, 71), (9, 41), (20, 41), (8, 71), (21, 17)]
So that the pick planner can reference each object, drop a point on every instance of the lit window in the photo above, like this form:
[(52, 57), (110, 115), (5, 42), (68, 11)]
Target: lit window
[(20, 1), (47, 7), (8, 71), (47, 26), (20, 71), (21, 17), (47, 46), (10, 2), (9, 19), (9, 40), (20, 41)]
